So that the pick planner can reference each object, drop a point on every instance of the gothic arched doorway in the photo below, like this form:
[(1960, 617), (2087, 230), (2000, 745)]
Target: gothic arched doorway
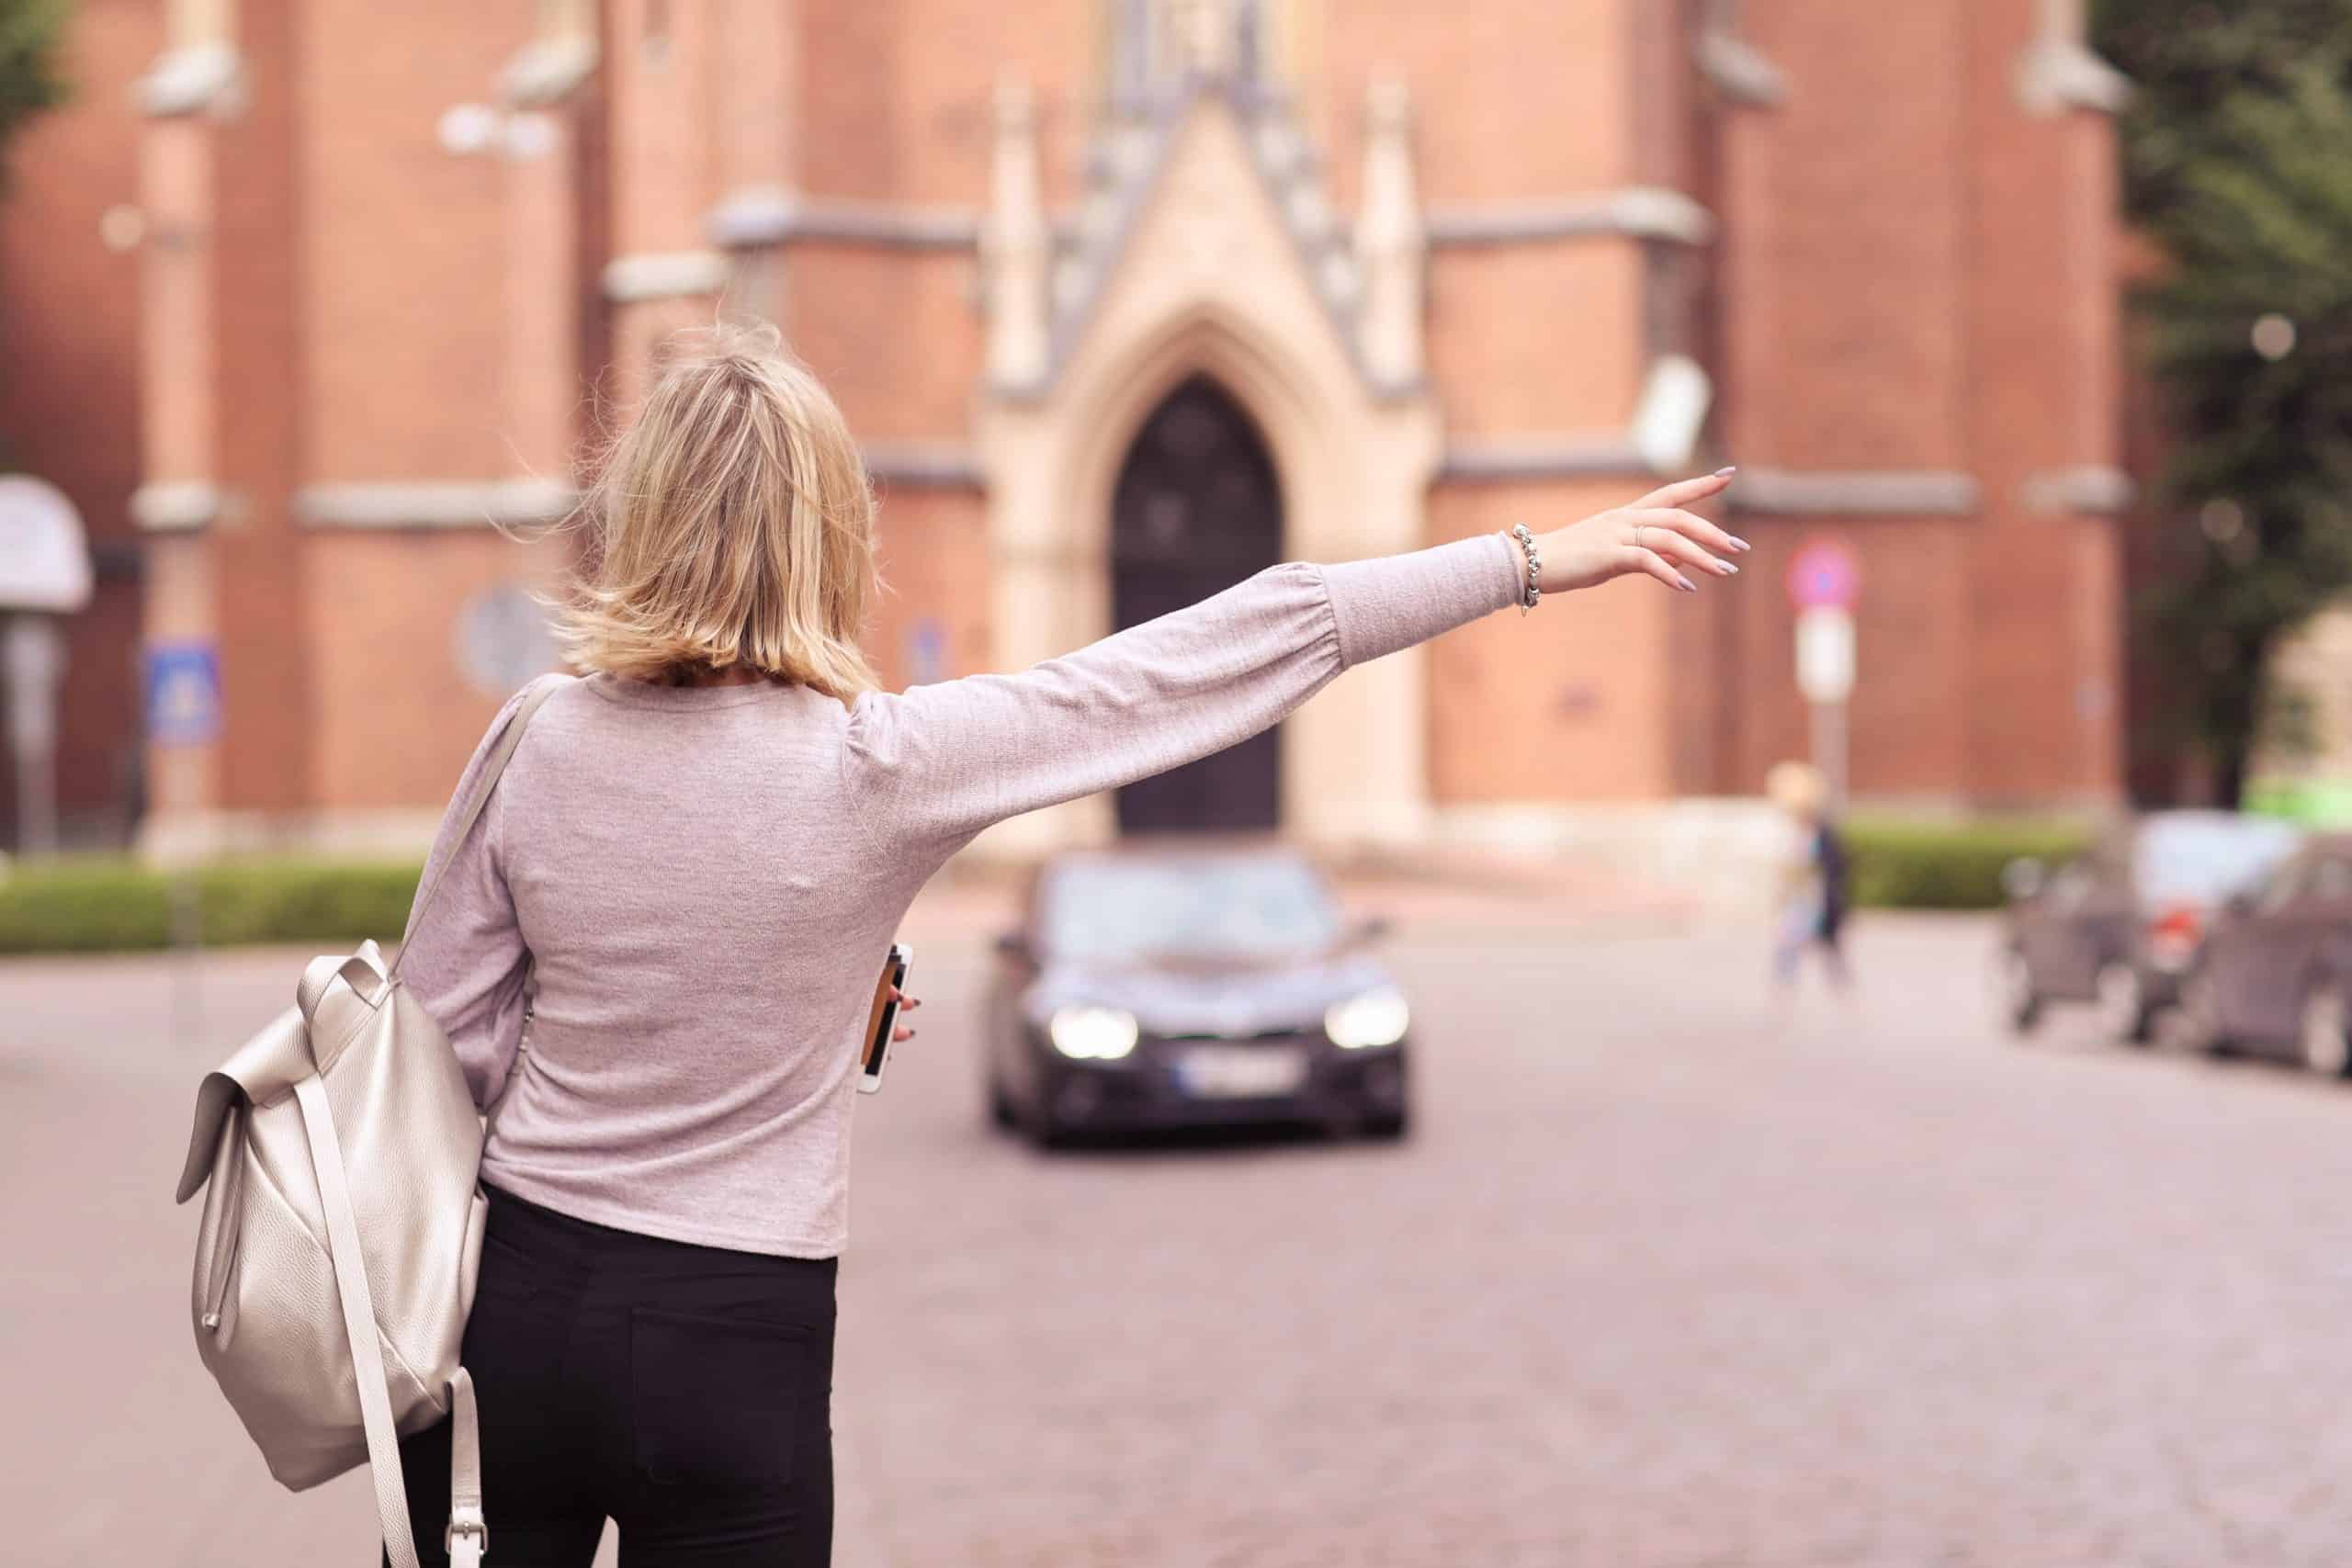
[(1197, 509)]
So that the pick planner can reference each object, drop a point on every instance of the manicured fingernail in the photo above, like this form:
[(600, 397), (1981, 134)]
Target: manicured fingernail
[(1727, 473), (1741, 544), (1685, 583), (1727, 570)]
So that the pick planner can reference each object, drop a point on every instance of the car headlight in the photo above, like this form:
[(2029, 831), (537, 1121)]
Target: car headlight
[(1375, 1018), (1091, 1034)]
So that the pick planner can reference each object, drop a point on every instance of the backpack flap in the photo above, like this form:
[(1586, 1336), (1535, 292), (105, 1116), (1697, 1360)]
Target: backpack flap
[(274, 1060), (264, 1067)]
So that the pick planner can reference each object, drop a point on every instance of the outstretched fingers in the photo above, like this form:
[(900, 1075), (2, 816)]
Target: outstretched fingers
[(1686, 493), (1682, 538), (1690, 525), (1656, 565)]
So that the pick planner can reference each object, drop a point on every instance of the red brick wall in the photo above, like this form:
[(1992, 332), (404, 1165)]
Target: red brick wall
[(1913, 272), (1513, 98), (1514, 101), (1848, 325), (403, 242), (2044, 656), (897, 95), (892, 332), (1919, 280), (1570, 703), (69, 392), (935, 559)]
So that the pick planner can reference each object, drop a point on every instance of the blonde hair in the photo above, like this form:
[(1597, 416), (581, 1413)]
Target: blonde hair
[(734, 527)]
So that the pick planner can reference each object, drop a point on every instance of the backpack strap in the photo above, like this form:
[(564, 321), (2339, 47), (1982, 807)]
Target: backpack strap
[(469, 812), (359, 1323), (467, 1539)]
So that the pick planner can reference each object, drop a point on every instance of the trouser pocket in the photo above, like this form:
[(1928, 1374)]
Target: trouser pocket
[(722, 1402)]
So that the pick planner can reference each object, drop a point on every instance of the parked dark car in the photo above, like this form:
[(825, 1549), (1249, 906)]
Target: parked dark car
[(2275, 975), (1177, 986), (2119, 925)]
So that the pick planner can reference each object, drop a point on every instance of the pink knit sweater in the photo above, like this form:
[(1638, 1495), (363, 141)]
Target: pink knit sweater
[(700, 883)]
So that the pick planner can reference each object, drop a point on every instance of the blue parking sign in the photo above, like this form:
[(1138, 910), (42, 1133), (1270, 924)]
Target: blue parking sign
[(183, 694), (926, 652)]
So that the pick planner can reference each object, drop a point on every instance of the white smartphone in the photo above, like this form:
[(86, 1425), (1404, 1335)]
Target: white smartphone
[(883, 1020)]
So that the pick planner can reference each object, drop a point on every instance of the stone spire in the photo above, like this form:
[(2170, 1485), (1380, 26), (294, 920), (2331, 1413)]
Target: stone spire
[(1016, 246), (1391, 243)]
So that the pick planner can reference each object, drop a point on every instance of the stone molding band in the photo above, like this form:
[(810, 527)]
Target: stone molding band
[(2091, 488), (481, 503), (763, 216), (432, 503), (921, 467), (1908, 492), (1640, 212), (546, 71), (664, 274), (1740, 72), (175, 505), (1609, 454), (178, 506), (194, 78), (757, 218), (2060, 73)]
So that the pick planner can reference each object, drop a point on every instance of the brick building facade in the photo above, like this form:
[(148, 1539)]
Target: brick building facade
[(1432, 268)]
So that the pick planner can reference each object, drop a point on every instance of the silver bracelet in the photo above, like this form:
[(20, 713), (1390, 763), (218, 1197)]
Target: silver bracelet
[(1534, 567)]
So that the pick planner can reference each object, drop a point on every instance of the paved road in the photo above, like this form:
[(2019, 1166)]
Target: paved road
[(1664, 1280)]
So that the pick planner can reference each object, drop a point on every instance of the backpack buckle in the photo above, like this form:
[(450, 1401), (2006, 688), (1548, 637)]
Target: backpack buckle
[(467, 1521)]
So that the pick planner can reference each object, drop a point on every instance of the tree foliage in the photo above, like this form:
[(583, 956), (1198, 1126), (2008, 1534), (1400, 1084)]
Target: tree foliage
[(2238, 162), (32, 39)]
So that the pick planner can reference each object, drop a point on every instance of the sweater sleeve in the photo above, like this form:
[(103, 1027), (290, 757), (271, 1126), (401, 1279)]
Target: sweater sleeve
[(466, 964), (940, 763)]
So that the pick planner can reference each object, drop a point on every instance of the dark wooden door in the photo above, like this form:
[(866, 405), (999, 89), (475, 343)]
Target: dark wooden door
[(1197, 509)]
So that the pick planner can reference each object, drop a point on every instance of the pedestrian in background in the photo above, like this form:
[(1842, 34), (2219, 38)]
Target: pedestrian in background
[(1812, 877)]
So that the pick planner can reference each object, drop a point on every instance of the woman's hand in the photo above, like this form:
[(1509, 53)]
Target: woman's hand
[(1655, 535), (907, 1004)]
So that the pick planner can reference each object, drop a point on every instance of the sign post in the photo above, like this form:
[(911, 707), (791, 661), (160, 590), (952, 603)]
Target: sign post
[(183, 682), (1824, 583)]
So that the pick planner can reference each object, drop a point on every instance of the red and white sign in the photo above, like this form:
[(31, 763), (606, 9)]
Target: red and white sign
[(1826, 655), (1825, 576)]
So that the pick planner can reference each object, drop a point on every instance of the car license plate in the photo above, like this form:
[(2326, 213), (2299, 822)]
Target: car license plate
[(1213, 1072)]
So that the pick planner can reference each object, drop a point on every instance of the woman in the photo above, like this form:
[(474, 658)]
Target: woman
[(694, 863)]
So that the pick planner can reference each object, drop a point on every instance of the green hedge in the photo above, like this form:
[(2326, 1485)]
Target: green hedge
[(114, 905), (1954, 865)]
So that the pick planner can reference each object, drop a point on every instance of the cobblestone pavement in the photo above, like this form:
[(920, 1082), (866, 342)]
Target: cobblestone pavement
[(1666, 1279)]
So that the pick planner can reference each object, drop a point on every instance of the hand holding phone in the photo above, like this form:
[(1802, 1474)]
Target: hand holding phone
[(882, 1021)]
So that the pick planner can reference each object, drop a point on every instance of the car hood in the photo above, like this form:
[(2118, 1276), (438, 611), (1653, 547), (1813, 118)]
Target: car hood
[(1229, 1001)]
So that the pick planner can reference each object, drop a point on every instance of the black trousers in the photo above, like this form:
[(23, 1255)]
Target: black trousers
[(685, 1392)]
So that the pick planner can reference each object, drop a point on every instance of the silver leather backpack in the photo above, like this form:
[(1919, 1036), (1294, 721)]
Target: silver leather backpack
[(342, 1231)]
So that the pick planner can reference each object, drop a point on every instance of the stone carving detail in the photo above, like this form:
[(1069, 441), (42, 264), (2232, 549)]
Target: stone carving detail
[(1392, 245), (1026, 260), (1016, 246)]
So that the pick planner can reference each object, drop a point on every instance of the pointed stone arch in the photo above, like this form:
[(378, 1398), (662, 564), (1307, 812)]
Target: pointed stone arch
[(1210, 281)]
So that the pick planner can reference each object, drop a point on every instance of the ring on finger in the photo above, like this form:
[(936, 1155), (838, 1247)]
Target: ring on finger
[(1637, 535)]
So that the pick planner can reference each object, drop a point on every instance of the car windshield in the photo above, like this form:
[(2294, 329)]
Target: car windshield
[(1212, 908), (2204, 860)]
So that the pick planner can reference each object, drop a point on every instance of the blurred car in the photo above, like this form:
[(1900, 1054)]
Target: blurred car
[(2119, 925), (2275, 975), (1162, 987)]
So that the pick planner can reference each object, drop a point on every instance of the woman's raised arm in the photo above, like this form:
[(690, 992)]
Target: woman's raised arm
[(937, 764)]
